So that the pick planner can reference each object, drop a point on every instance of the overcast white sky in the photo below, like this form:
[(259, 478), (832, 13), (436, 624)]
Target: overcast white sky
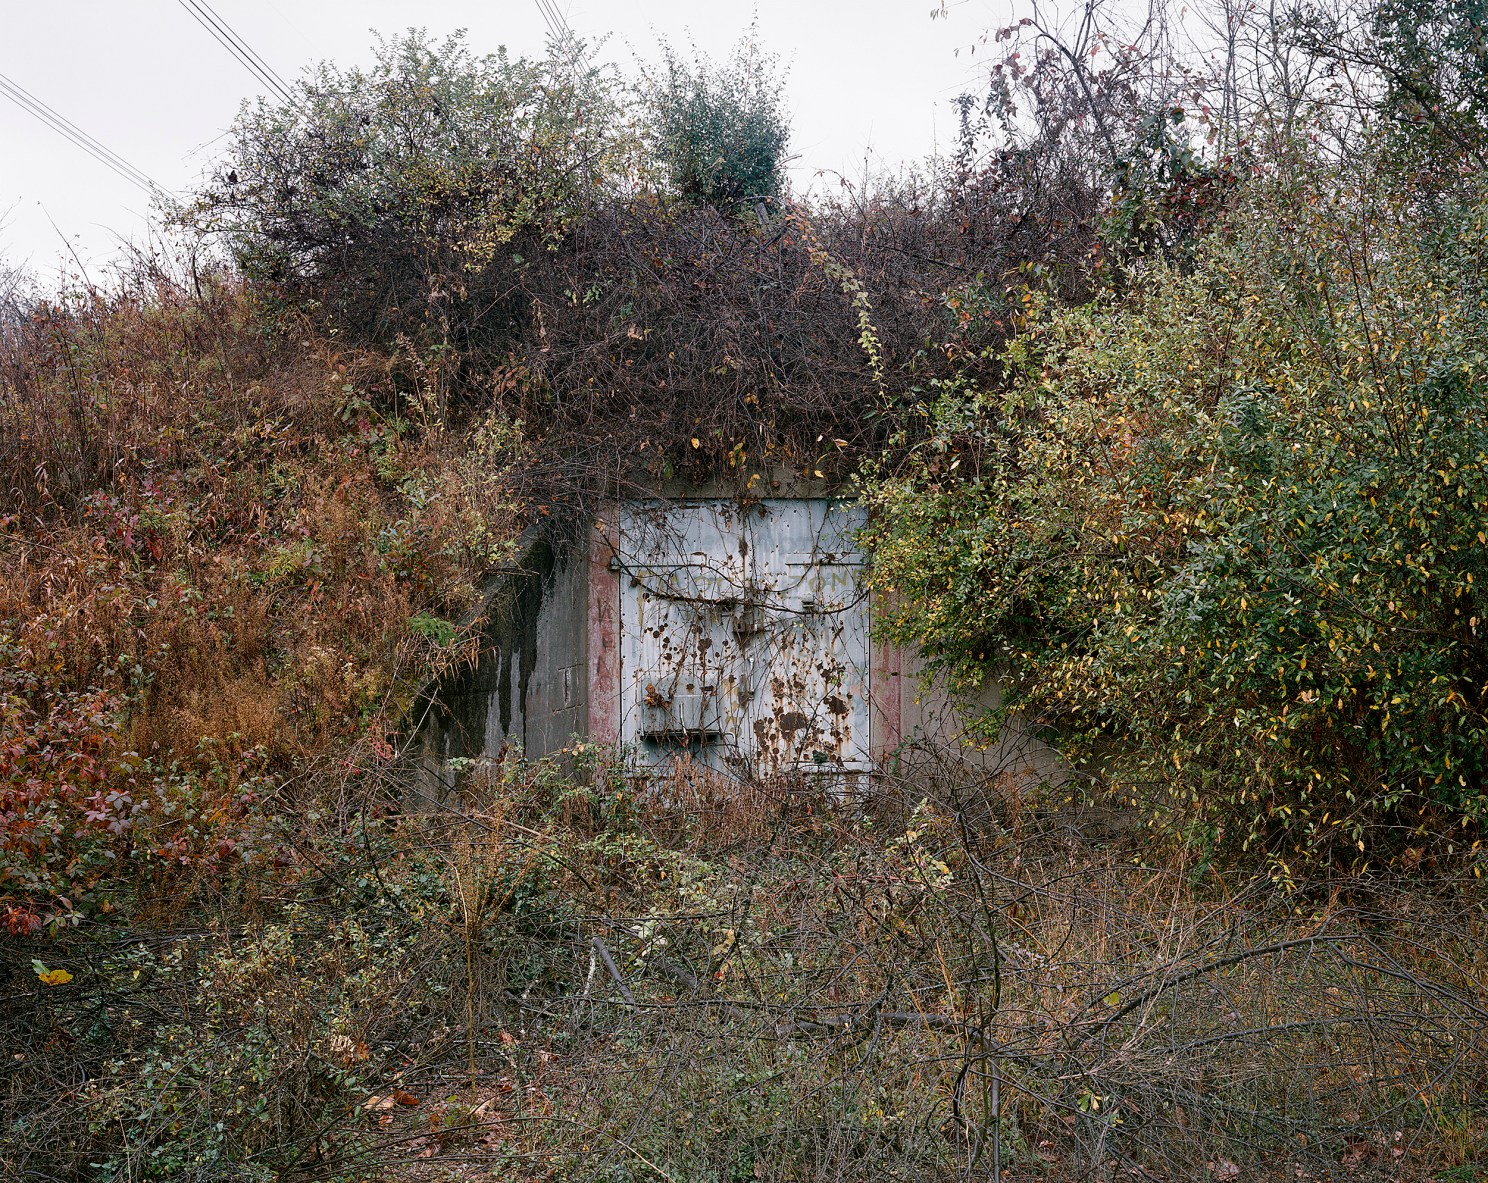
[(149, 83)]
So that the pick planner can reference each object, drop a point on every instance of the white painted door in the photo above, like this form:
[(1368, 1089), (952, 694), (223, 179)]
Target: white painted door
[(744, 635)]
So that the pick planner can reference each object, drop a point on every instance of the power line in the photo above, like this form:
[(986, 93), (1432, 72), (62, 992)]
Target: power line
[(58, 122), (64, 127), (557, 25), (284, 87), (228, 37)]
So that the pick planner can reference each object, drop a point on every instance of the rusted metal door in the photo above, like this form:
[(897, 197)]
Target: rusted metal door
[(744, 634)]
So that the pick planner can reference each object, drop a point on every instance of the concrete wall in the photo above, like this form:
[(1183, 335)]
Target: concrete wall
[(935, 737), (527, 692), (555, 707)]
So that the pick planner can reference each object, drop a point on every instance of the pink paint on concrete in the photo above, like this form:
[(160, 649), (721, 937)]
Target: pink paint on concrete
[(604, 633), (886, 696)]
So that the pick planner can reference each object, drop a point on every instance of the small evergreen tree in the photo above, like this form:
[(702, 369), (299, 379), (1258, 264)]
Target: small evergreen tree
[(721, 129)]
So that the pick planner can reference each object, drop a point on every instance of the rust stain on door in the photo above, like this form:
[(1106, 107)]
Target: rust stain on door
[(744, 634)]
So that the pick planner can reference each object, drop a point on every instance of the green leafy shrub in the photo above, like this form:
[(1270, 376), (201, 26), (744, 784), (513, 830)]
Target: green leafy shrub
[(277, 1056), (386, 194), (1426, 66), (721, 129), (1224, 537), (240, 1052)]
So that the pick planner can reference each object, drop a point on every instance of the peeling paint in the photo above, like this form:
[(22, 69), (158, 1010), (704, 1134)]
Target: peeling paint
[(744, 634)]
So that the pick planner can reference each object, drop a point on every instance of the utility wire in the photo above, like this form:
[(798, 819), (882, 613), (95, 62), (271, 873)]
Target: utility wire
[(557, 25), (227, 37), (247, 48), (233, 41), (221, 20), (32, 105)]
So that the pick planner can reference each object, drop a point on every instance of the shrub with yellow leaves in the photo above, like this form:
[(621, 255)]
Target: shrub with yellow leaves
[(1223, 535)]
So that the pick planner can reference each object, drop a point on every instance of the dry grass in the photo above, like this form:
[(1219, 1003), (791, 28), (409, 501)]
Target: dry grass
[(214, 533), (818, 993), (552, 977)]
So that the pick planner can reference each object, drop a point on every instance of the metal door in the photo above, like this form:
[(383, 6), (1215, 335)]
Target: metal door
[(744, 635)]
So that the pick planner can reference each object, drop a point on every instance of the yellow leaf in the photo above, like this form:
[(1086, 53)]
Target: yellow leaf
[(696, 443), (55, 977), (1113, 998)]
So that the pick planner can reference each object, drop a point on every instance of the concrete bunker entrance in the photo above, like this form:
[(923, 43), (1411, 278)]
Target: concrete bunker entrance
[(734, 632)]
